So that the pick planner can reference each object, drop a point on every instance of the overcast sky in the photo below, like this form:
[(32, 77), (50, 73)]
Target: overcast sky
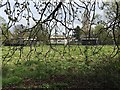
[(35, 13), (12, 2)]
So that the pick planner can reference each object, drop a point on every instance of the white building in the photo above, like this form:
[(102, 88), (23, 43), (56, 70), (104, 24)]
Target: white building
[(60, 39)]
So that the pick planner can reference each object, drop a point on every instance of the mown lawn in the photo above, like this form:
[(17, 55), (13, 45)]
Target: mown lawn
[(61, 67)]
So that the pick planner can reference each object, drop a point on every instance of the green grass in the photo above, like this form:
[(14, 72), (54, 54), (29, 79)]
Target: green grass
[(78, 52), (62, 68)]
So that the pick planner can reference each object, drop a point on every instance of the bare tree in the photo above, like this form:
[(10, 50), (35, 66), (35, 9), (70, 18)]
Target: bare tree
[(58, 16)]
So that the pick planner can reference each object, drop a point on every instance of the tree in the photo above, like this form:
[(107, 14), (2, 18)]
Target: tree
[(6, 34), (77, 33), (113, 17), (103, 35), (112, 11), (2, 20), (40, 33), (19, 32), (50, 15)]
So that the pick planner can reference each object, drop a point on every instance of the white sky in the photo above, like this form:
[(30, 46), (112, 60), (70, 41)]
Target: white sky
[(36, 15)]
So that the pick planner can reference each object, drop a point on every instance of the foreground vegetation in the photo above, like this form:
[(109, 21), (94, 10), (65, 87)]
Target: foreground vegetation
[(58, 72)]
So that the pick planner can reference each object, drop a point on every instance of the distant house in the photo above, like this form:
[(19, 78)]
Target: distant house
[(60, 39), (31, 41), (89, 41)]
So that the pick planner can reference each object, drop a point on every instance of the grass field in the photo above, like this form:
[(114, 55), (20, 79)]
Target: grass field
[(92, 53), (61, 67)]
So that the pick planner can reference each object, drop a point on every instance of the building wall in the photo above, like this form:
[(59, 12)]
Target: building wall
[(59, 41)]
